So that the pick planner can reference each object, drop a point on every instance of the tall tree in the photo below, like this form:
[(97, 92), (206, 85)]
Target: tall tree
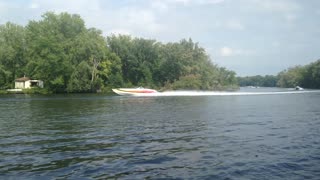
[(291, 77), (80, 78), (49, 45), (57, 48), (12, 53), (58, 44)]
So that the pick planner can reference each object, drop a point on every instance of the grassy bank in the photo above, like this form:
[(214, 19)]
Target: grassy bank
[(3, 92)]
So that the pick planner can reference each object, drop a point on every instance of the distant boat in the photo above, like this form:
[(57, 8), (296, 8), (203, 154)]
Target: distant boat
[(298, 88), (133, 91)]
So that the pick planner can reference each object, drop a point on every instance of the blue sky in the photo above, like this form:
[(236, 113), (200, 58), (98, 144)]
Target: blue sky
[(248, 36)]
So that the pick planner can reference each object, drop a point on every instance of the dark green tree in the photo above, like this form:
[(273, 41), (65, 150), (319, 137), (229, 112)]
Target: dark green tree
[(50, 42), (69, 57), (12, 53)]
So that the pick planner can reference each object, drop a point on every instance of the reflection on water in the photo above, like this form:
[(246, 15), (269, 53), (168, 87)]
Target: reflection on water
[(206, 137)]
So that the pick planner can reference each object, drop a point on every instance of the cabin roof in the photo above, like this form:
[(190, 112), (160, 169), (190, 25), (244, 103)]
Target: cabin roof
[(22, 79)]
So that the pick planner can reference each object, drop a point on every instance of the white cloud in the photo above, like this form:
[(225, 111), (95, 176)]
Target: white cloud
[(180, 1), (34, 6), (138, 20), (234, 25), (290, 17), (159, 6), (207, 2), (2, 5), (277, 5), (129, 19), (227, 52), (190, 2), (4, 8), (276, 44), (229, 24), (286, 9), (211, 1)]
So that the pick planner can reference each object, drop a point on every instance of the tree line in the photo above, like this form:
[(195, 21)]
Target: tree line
[(307, 76), (69, 57), (258, 80)]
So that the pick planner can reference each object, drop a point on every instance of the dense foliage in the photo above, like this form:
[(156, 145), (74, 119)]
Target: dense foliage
[(307, 76), (262, 81), (182, 65), (69, 57)]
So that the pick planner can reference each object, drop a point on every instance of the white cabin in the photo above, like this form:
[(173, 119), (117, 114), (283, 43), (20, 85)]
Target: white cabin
[(27, 83)]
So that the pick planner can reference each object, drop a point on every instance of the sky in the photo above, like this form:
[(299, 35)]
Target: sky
[(250, 37)]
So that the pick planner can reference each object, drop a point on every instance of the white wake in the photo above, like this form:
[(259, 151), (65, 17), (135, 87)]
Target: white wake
[(223, 93)]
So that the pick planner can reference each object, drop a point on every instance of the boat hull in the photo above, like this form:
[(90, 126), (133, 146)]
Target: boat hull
[(134, 91)]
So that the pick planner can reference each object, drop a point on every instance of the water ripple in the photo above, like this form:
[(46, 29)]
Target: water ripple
[(231, 137)]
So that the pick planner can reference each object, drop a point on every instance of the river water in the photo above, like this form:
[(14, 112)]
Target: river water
[(256, 136)]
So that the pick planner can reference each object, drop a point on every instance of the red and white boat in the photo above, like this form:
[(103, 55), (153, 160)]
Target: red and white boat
[(134, 91)]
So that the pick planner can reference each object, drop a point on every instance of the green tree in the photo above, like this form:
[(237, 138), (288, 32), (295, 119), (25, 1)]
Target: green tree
[(12, 53), (80, 80), (140, 59), (291, 77), (68, 57), (264, 81), (147, 62), (311, 75), (58, 44), (49, 45)]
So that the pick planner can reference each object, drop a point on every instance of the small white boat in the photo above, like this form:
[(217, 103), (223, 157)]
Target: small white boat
[(298, 88), (134, 91)]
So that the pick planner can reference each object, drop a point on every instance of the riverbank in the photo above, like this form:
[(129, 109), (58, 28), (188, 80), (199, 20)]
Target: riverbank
[(26, 91), (44, 91)]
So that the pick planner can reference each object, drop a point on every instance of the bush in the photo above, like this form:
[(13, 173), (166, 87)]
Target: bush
[(36, 91), (3, 92)]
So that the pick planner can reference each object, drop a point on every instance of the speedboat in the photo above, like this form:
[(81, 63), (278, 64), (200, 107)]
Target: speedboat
[(134, 91)]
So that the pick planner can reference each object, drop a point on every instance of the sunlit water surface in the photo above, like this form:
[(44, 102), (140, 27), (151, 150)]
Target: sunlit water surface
[(260, 136)]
